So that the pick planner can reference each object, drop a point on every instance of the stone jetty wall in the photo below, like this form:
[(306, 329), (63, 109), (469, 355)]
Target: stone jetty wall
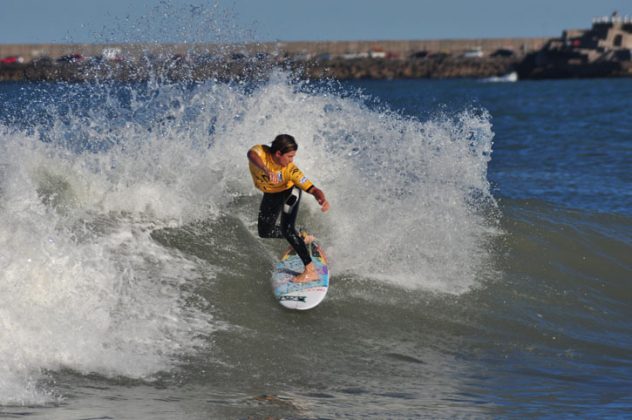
[(530, 58), (335, 59)]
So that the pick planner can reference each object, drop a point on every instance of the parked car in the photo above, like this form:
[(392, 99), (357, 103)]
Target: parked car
[(112, 54), (13, 59), (71, 58), (418, 55), (439, 56), (503, 52), (473, 53), (43, 60), (207, 58), (323, 57), (95, 60)]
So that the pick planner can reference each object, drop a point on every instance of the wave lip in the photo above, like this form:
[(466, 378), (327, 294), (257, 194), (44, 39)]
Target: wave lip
[(87, 288)]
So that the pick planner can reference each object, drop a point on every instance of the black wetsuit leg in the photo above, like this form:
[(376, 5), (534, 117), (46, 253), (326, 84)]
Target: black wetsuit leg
[(271, 207)]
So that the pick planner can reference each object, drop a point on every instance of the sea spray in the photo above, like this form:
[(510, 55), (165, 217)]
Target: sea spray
[(417, 200), (410, 199), (100, 167), (83, 285)]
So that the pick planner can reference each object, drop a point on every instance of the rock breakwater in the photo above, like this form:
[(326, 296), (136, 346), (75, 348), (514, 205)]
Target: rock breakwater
[(341, 69)]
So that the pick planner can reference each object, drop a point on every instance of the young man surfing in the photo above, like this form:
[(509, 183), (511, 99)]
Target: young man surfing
[(281, 181)]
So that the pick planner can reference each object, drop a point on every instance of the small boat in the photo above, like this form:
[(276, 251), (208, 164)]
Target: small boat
[(509, 77)]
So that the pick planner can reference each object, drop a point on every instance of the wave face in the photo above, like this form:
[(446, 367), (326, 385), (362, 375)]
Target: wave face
[(90, 173)]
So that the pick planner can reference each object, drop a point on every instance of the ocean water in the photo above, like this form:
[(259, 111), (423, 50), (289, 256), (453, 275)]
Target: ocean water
[(480, 241)]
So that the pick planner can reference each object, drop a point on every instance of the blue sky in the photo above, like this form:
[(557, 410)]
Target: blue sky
[(86, 21)]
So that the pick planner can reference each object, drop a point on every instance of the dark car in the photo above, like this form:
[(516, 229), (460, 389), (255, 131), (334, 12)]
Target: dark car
[(43, 60), (502, 52), (71, 58), (418, 55), (439, 56), (207, 59)]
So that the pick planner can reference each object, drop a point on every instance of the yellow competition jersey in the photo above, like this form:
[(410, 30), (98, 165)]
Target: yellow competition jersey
[(290, 175)]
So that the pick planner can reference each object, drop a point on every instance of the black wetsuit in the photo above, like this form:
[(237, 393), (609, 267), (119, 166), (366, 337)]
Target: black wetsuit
[(272, 205)]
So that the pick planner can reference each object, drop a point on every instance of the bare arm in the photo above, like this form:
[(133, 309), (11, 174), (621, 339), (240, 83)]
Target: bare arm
[(256, 160), (320, 197)]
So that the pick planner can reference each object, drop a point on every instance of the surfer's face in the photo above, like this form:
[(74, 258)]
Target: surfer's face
[(286, 158)]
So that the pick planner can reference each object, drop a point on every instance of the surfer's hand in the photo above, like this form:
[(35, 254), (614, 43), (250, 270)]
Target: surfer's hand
[(273, 176), (320, 197)]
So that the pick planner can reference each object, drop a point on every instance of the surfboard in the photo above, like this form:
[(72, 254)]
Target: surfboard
[(300, 296)]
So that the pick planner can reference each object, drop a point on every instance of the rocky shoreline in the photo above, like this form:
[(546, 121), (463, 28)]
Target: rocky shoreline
[(531, 66), (362, 68), (430, 68)]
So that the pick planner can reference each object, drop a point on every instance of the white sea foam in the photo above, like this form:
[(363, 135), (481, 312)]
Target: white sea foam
[(84, 286), (409, 197)]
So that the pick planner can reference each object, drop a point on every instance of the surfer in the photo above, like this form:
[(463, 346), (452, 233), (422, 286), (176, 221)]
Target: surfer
[(274, 172)]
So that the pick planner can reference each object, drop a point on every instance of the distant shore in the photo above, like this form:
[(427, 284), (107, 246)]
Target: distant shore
[(334, 59), (527, 58), (440, 67)]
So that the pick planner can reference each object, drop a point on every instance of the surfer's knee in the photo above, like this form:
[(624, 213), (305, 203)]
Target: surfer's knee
[(265, 231), (265, 234)]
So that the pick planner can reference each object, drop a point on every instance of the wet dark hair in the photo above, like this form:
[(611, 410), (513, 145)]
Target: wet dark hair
[(283, 143)]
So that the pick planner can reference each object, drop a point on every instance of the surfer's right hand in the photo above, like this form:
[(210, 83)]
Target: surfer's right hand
[(273, 176), (320, 197)]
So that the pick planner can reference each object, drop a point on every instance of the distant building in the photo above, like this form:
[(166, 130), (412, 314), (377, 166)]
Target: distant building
[(609, 39), (607, 33)]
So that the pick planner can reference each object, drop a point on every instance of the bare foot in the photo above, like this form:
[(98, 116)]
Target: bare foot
[(310, 274), (307, 238)]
